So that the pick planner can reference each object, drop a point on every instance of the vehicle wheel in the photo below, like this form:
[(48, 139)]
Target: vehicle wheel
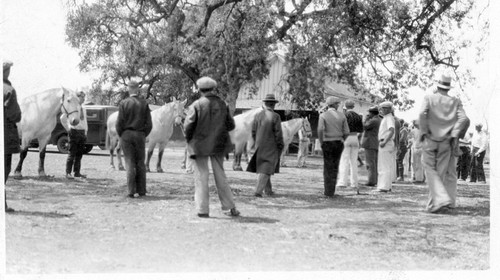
[(88, 148), (63, 144)]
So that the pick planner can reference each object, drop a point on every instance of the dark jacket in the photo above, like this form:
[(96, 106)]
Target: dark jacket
[(207, 127), (134, 114), (370, 135), (266, 132), (11, 116)]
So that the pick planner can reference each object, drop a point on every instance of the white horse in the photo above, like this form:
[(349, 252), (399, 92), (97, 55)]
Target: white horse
[(163, 126), (290, 128), (39, 118), (241, 136)]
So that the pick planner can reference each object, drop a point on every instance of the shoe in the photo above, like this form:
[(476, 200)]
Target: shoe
[(9, 210), (142, 194), (69, 176), (233, 212), (370, 185), (382, 191), (257, 195), (203, 215), (130, 195), (270, 193), (400, 179), (80, 175), (442, 210)]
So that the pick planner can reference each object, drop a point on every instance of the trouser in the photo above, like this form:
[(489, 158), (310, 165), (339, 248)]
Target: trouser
[(386, 167), (416, 166), (201, 190), (264, 184), (371, 157), (133, 146), (332, 151), (303, 152), (7, 162), (400, 161), (441, 172), (476, 166), (463, 164), (349, 162), (77, 140)]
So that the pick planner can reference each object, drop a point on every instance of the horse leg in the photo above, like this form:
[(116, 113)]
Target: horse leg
[(148, 158), (282, 159), (161, 149), (41, 162), (119, 157), (19, 168), (111, 154)]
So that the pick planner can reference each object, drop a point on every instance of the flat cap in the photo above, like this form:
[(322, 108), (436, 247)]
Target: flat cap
[(7, 64), (349, 104), (386, 104), (206, 83), (332, 100)]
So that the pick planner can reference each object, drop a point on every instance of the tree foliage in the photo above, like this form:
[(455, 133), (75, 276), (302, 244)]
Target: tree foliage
[(377, 47)]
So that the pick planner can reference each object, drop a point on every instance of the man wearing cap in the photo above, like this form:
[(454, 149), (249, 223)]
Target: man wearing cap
[(206, 128), (442, 120), (387, 148), (268, 137), (11, 116), (369, 142), (77, 137), (133, 126), (332, 132), (349, 157), (479, 143)]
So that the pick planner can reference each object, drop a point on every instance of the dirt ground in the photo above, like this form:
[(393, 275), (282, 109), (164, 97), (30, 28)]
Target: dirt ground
[(89, 226)]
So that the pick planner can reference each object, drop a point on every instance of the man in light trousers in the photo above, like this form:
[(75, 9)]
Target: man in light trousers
[(442, 120), (387, 149), (349, 158), (207, 127)]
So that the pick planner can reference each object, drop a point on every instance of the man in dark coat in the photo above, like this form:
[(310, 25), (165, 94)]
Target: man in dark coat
[(266, 132), (370, 143), (11, 116), (207, 127), (133, 126)]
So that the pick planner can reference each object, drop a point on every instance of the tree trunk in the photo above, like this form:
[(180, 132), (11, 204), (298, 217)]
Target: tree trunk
[(232, 95)]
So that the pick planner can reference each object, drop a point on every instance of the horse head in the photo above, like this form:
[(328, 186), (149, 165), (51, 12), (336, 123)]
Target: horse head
[(70, 105), (306, 126), (179, 111)]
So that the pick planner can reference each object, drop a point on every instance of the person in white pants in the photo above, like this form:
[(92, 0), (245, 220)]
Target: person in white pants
[(387, 148), (349, 158)]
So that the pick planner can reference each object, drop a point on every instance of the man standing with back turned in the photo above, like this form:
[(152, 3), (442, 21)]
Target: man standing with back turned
[(332, 131), (207, 127), (442, 119), (133, 126)]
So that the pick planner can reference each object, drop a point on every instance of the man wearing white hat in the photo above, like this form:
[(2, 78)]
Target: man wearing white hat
[(442, 120), (11, 116), (387, 148), (206, 128)]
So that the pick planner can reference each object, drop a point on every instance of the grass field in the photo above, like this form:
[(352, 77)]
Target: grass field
[(89, 226)]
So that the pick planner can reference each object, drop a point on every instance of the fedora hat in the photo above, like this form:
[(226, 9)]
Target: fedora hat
[(349, 104), (444, 82), (7, 64), (386, 104), (373, 109), (270, 98)]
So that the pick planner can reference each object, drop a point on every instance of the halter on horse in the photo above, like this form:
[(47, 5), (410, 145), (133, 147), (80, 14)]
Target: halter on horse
[(290, 128), (39, 118), (163, 127)]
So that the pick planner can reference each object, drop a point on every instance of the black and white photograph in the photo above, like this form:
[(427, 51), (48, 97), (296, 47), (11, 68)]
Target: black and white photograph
[(249, 139)]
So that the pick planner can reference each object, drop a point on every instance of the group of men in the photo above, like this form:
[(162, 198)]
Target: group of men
[(433, 140), (434, 143)]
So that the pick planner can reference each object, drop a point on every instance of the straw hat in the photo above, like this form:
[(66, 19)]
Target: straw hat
[(270, 98)]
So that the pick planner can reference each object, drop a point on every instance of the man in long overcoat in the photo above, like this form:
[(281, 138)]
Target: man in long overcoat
[(266, 132), (11, 116), (370, 143)]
